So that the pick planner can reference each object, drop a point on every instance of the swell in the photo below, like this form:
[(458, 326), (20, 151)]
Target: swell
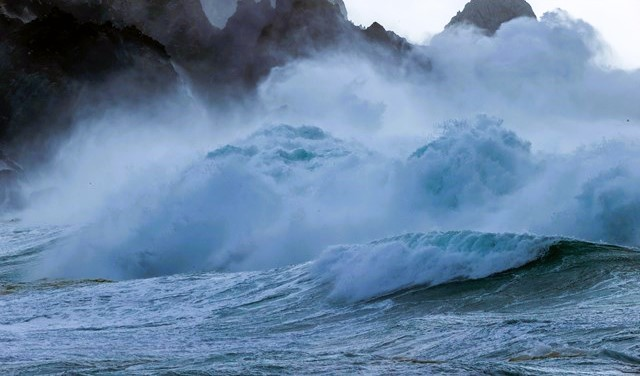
[(286, 303), (451, 270), (568, 273), (470, 265)]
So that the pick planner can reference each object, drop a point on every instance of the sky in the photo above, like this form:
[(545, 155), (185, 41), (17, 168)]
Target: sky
[(418, 20)]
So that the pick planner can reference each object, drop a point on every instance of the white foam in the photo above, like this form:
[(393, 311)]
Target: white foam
[(368, 270)]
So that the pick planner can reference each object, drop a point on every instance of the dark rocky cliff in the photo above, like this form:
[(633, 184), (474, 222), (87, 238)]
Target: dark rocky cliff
[(60, 56)]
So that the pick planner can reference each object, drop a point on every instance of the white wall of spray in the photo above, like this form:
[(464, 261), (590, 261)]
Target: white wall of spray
[(283, 194), (542, 78)]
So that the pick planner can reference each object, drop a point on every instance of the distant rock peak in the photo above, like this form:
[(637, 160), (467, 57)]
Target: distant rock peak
[(378, 34), (341, 6), (489, 15)]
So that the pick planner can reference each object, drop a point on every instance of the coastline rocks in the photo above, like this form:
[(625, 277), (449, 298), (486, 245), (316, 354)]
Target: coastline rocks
[(489, 15), (377, 34), (64, 60), (55, 65)]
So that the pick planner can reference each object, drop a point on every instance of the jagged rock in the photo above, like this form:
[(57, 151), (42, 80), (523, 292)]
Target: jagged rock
[(260, 36), (379, 35), (173, 23), (53, 65), (56, 55), (233, 56), (489, 15), (341, 6)]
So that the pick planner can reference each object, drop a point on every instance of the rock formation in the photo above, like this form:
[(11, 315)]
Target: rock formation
[(53, 65), (381, 36), (489, 15), (60, 56)]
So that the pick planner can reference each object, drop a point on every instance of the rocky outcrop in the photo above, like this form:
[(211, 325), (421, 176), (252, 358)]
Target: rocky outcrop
[(259, 35), (54, 65), (489, 15), (60, 56), (381, 36), (170, 22)]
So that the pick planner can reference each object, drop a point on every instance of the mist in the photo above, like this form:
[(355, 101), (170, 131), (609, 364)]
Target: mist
[(526, 131)]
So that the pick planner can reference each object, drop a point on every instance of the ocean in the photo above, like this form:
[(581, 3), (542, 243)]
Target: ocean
[(571, 307), (250, 262)]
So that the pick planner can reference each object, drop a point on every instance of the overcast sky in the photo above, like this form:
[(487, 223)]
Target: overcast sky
[(417, 20)]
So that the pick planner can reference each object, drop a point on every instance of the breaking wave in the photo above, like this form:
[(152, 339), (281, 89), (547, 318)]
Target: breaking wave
[(283, 194), (365, 271), (371, 164)]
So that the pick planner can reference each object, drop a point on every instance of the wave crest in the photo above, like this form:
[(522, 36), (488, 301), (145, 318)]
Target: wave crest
[(363, 271), (470, 163)]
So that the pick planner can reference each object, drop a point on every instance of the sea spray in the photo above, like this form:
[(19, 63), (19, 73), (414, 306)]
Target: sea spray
[(357, 272), (285, 193), (379, 156)]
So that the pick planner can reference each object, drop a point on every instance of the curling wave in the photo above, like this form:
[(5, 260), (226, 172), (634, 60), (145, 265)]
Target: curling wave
[(359, 272)]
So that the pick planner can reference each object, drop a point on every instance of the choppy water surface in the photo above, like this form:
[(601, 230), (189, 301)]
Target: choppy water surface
[(572, 307), (232, 267)]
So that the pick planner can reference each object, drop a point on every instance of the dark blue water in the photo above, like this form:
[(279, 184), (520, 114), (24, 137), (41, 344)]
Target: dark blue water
[(571, 308)]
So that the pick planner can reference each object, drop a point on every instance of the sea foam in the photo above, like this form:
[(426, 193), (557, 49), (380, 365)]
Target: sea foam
[(362, 271)]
